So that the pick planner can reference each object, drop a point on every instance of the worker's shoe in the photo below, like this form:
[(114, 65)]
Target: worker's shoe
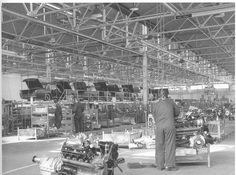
[(171, 168), (160, 169)]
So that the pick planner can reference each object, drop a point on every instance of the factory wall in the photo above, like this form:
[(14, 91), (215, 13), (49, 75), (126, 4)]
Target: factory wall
[(196, 94), (11, 86)]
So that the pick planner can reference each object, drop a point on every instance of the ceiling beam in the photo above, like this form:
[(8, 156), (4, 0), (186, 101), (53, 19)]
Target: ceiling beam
[(138, 18), (201, 48), (62, 9), (84, 36), (67, 30)]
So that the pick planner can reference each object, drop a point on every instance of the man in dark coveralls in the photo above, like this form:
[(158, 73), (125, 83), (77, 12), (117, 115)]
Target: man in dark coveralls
[(58, 114), (78, 110), (164, 111)]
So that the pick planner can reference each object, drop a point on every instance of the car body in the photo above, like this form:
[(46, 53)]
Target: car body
[(53, 90), (35, 90)]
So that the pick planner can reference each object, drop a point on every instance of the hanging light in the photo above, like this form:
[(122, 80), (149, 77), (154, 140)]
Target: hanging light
[(134, 8), (96, 13), (219, 15), (52, 40)]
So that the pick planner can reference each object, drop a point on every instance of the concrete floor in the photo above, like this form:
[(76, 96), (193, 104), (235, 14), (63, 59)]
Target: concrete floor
[(222, 159), (17, 158)]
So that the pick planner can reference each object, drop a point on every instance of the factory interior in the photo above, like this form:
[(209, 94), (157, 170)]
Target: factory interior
[(118, 88)]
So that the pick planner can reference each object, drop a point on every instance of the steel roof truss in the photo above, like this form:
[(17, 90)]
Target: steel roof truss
[(178, 29), (26, 8), (226, 22), (82, 21), (206, 20), (22, 32), (109, 32)]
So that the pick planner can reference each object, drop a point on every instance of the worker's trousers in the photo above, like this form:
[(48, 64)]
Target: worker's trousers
[(165, 146), (78, 124)]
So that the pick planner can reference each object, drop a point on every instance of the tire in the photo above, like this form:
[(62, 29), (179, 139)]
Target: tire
[(47, 97)]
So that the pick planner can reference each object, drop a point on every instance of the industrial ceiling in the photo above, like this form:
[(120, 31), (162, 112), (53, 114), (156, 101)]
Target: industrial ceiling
[(185, 43)]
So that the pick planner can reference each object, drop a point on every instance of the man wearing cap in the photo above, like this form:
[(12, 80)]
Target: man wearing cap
[(164, 111)]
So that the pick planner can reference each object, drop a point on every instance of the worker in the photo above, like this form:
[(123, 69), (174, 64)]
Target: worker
[(58, 114), (164, 111), (78, 110)]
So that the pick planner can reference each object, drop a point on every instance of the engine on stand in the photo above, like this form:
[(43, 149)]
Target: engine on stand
[(85, 158), (192, 132)]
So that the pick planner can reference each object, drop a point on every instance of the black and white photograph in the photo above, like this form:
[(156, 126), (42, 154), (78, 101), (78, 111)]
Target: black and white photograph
[(117, 87)]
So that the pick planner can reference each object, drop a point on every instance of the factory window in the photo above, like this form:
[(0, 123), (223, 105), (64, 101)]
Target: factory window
[(195, 87), (221, 86)]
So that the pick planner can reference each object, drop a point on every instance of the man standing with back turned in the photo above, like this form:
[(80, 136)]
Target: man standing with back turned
[(164, 111), (78, 110)]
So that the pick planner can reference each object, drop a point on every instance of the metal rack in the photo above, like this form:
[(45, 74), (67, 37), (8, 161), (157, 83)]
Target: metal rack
[(195, 156), (199, 154), (217, 128), (42, 118)]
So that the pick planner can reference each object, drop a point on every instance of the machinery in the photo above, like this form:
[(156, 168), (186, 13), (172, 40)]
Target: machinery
[(192, 130), (84, 158)]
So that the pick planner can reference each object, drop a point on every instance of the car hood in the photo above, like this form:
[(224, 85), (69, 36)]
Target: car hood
[(113, 87), (33, 83), (62, 85), (80, 86), (100, 86), (128, 88)]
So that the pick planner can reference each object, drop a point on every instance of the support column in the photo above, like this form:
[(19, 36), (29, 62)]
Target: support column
[(85, 68), (104, 27), (31, 7), (44, 19), (48, 68), (103, 37), (145, 76), (74, 18), (126, 33), (47, 55), (1, 20), (145, 70)]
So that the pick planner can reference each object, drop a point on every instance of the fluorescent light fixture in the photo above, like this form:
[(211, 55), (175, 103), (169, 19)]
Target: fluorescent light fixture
[(134, 9), (52, 40), (55, 7), (221, 86), (219, 15), (59, 78), (96, 13), (196, 87)]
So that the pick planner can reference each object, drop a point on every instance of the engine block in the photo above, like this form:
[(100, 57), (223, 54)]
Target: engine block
[(84, 159)]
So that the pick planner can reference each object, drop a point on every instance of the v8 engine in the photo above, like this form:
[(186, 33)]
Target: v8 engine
[(85, 158)]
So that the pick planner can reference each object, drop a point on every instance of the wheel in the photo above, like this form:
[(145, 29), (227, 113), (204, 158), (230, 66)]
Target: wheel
[(47, 97)]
